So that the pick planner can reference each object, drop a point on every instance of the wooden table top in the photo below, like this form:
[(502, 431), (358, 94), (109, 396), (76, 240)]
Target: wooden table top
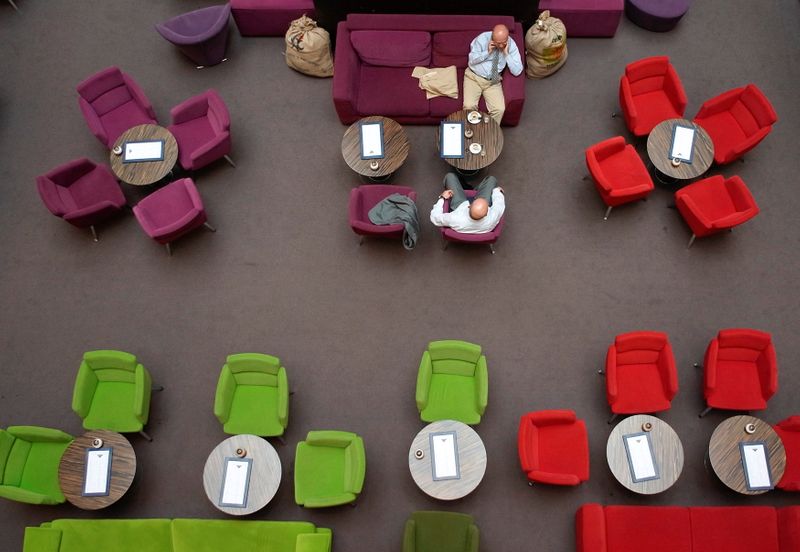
[(72, 469), (487, 133), (395, 147), (144, 173), (265, 474), (659, 143), (726, 458), (667, 450), (471, 459)]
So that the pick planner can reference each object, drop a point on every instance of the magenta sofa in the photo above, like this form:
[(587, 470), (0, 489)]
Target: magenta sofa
[(375, 54), (687, 529), (598, 18)]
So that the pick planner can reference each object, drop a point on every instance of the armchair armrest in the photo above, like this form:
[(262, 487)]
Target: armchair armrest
[(768, 372), (526, 437), (283, 397), (482, 385), (740, 194), (313, 542), (554, 478), (212, 150), (710, 365), (734, 219), (674, 86), (83, 392), (626, 101), (24, 495), (669, 374), (424, 380), (721, 103), (90, 210), (142, 392), (792, 423), (138, 95), (178, 224), (748, 143), (355, 465), (41, 539), (223, 399), (590, 529), (641, 188), (611, 374), (473, 538), (95, 126), (40, 434), (410, 536), (692, 210), (331, 500), (339, 439)]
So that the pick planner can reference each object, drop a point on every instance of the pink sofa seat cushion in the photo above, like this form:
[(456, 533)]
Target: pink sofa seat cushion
[(742, 529), (392, 48), (452, 48), (659, 529), (390, 90)]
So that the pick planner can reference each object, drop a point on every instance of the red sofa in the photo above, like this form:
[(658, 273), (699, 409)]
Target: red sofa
[(687, 529), (375, 54)]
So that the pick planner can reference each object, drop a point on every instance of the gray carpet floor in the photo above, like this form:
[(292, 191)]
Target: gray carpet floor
[(285, 275)]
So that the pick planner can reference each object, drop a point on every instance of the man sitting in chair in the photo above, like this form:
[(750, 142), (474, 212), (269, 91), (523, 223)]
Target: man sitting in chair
[(478, 217)]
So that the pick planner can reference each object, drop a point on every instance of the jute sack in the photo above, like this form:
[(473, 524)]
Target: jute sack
[(545, 46), (308, 48)]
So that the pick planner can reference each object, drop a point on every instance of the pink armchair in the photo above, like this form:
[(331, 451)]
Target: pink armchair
[(201, 125), (364, 198)]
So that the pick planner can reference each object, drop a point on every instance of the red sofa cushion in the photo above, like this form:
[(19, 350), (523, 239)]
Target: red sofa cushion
[(390, 90), (742, 529), (660, 529), (393, 48), (452, 48)]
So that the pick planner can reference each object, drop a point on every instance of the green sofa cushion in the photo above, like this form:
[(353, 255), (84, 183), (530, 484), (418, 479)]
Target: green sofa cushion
[(113, 408), (203, 535), (452, 398), (117, 535), (254, 410), (319, 472), (41, 539)]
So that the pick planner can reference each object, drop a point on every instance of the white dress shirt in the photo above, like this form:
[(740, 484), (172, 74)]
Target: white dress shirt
[(460, 221)]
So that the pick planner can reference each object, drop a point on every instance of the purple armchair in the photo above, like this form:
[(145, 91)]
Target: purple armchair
[(112, 103), (201, 35), (81, 192), (488, 238), (201, 125), (364, 198), (169, 213)]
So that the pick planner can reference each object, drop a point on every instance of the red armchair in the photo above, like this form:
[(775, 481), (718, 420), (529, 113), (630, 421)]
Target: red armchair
[(737, 121), (364, 198), (553, 447), (618, 172), (714, 204), (640, 373), (741, 371), (202, 127), (650, 92), (789, 432)]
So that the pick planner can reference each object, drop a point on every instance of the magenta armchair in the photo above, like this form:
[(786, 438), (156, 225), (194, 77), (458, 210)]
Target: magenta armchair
[(737, 121), (111, 103), (487, 238), (201, 125), (650, 92), (82, 193), (553, 447), (789, 432), (740, 369), (640, 373), (715, 204), (172, 211), (364, 198), (618, 173)]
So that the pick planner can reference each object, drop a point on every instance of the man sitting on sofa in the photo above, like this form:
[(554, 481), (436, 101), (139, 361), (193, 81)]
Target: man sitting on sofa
[(489, 54), (478, 217)]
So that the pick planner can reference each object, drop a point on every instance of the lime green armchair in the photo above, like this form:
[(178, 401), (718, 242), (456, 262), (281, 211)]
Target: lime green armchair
[(440, 532), (112, 391), (329, 469), (253, 395), (453, 382), (29, 459)]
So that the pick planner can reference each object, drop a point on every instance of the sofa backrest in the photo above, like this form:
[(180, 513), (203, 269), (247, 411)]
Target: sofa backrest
[(117, 535), (205, 535)]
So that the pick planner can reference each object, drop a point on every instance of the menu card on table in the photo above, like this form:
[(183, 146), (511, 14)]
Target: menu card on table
[(444, 456), (451, 137), (98, 472), (134, 152), (641, 459), (682, 143), (755, 460), (372, 140), (235, 482)]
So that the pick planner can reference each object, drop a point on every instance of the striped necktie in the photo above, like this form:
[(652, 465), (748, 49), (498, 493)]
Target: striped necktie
[(495, 74)]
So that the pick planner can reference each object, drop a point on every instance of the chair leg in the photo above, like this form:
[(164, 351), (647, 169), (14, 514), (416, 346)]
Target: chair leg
[(608, 212), (585, 177), (94, 233), (612, 418), (691, 241), (697, 365), (209, 227), (13, 5), (144, 434), (444, 245), (281, 440), (169, 249), (613, 114), (530, 483), (491, 248), (704, 412), (361, 241), (200, 67), (229, 160), (353, 504), (157, 388), (601, 372)]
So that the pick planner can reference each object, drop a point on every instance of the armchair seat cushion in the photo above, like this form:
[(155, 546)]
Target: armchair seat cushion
[(653, 108), (390, 90), (740, 389), (191, 135), (112, 408), (253, 411), (640, 389), (724, 131), (451, 397), (39, 474), (124, 117), (318, 466)]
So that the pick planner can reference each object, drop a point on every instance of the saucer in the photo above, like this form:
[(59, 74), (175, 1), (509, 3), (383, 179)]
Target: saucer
[(474, 117), (475, 147)]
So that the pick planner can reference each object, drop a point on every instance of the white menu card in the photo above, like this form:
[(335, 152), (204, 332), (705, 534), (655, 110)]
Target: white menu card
[(756, 465), (444, 452), (144, 151), (682, 143), (98, 472), (452, 139), (371, 140), (640, 457), (235, 481)]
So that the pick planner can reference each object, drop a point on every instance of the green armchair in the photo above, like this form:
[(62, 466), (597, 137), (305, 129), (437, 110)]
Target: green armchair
[(29, 459), (453, 382), (112, 391), (329, 469), (253, 396), (440, 532)]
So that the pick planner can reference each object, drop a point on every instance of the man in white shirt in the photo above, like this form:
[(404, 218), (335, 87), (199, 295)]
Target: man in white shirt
[(478, 217), (489, 54)]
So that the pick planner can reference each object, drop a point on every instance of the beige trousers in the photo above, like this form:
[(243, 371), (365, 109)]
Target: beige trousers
[(474, 86)]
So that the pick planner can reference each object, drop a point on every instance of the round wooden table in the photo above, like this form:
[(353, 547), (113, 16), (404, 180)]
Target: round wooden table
[(487, 133), (667, 453), (265, 472), (659, 144), (72, 469), (144, 173), (471, 461), (726, 457), (395, 148)]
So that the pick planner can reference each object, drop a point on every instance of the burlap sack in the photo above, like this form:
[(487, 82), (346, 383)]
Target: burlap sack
[(308, 48), (545, 46)]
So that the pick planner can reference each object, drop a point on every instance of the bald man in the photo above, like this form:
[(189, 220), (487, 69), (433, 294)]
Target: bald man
[(478, 217), (489, 54)]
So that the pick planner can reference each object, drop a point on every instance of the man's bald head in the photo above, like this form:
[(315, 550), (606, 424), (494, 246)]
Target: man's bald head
[(500, 33), (478, 209)]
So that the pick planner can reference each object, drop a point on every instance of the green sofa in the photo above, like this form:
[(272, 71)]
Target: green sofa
[(176, 535)]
